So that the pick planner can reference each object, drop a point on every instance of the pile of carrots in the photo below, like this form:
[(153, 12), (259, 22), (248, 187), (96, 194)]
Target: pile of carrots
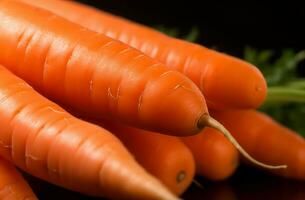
[(109, 108)]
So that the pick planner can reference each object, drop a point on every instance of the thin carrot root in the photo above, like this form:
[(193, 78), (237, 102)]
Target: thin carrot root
[(207, 120), (198, 184)]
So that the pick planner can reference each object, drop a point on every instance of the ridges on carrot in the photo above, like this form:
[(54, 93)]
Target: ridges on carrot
[(96, 74), (219, 76), (44, 140)]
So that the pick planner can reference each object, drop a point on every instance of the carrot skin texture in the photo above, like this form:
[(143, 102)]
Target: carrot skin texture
[(216, 158), (94, 73), (227, 82), (44, 140), (267, 140), (163, 156), (12, 184)]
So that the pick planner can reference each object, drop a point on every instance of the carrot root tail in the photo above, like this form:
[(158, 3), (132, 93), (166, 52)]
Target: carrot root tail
[(207, 120)]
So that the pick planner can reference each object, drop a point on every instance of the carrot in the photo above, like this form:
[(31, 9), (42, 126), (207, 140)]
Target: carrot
[(165, 157), (98, 75), (226, 82), (216, 158), (42, 139), (12, 184), (267, 140)]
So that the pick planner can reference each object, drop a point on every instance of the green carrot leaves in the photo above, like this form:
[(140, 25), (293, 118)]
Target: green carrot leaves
[(286, 93)]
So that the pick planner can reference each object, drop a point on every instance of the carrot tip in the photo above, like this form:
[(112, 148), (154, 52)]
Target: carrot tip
[(180, 176), (202, 122), (206, 120)]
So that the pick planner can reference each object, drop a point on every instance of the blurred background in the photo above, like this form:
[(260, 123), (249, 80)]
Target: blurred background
[(225, 25)]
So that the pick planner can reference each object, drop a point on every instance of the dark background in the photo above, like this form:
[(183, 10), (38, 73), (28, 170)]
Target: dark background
[(229, 26)]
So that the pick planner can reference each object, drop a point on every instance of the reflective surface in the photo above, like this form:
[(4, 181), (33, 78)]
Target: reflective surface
[(246, 184), (249, 184)]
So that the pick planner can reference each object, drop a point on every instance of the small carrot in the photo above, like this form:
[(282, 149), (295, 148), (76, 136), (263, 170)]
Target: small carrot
[(165, 157), (226, 82), (216, 158), (12, 184), (44, 140), (99, 75), (267, 140)]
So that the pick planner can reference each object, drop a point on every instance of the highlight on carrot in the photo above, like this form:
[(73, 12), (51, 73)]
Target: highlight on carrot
[(12, 184), (165, 157), (267, 140), (99, 75), (44, 140), (209, 69), (215, 156)]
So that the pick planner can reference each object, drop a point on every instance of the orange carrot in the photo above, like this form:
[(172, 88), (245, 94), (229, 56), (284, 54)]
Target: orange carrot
[(12, 184), (94, 73), (226, 82), (267, 140), (165, 157), (42, 139), (99, 75), (216, 158)]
